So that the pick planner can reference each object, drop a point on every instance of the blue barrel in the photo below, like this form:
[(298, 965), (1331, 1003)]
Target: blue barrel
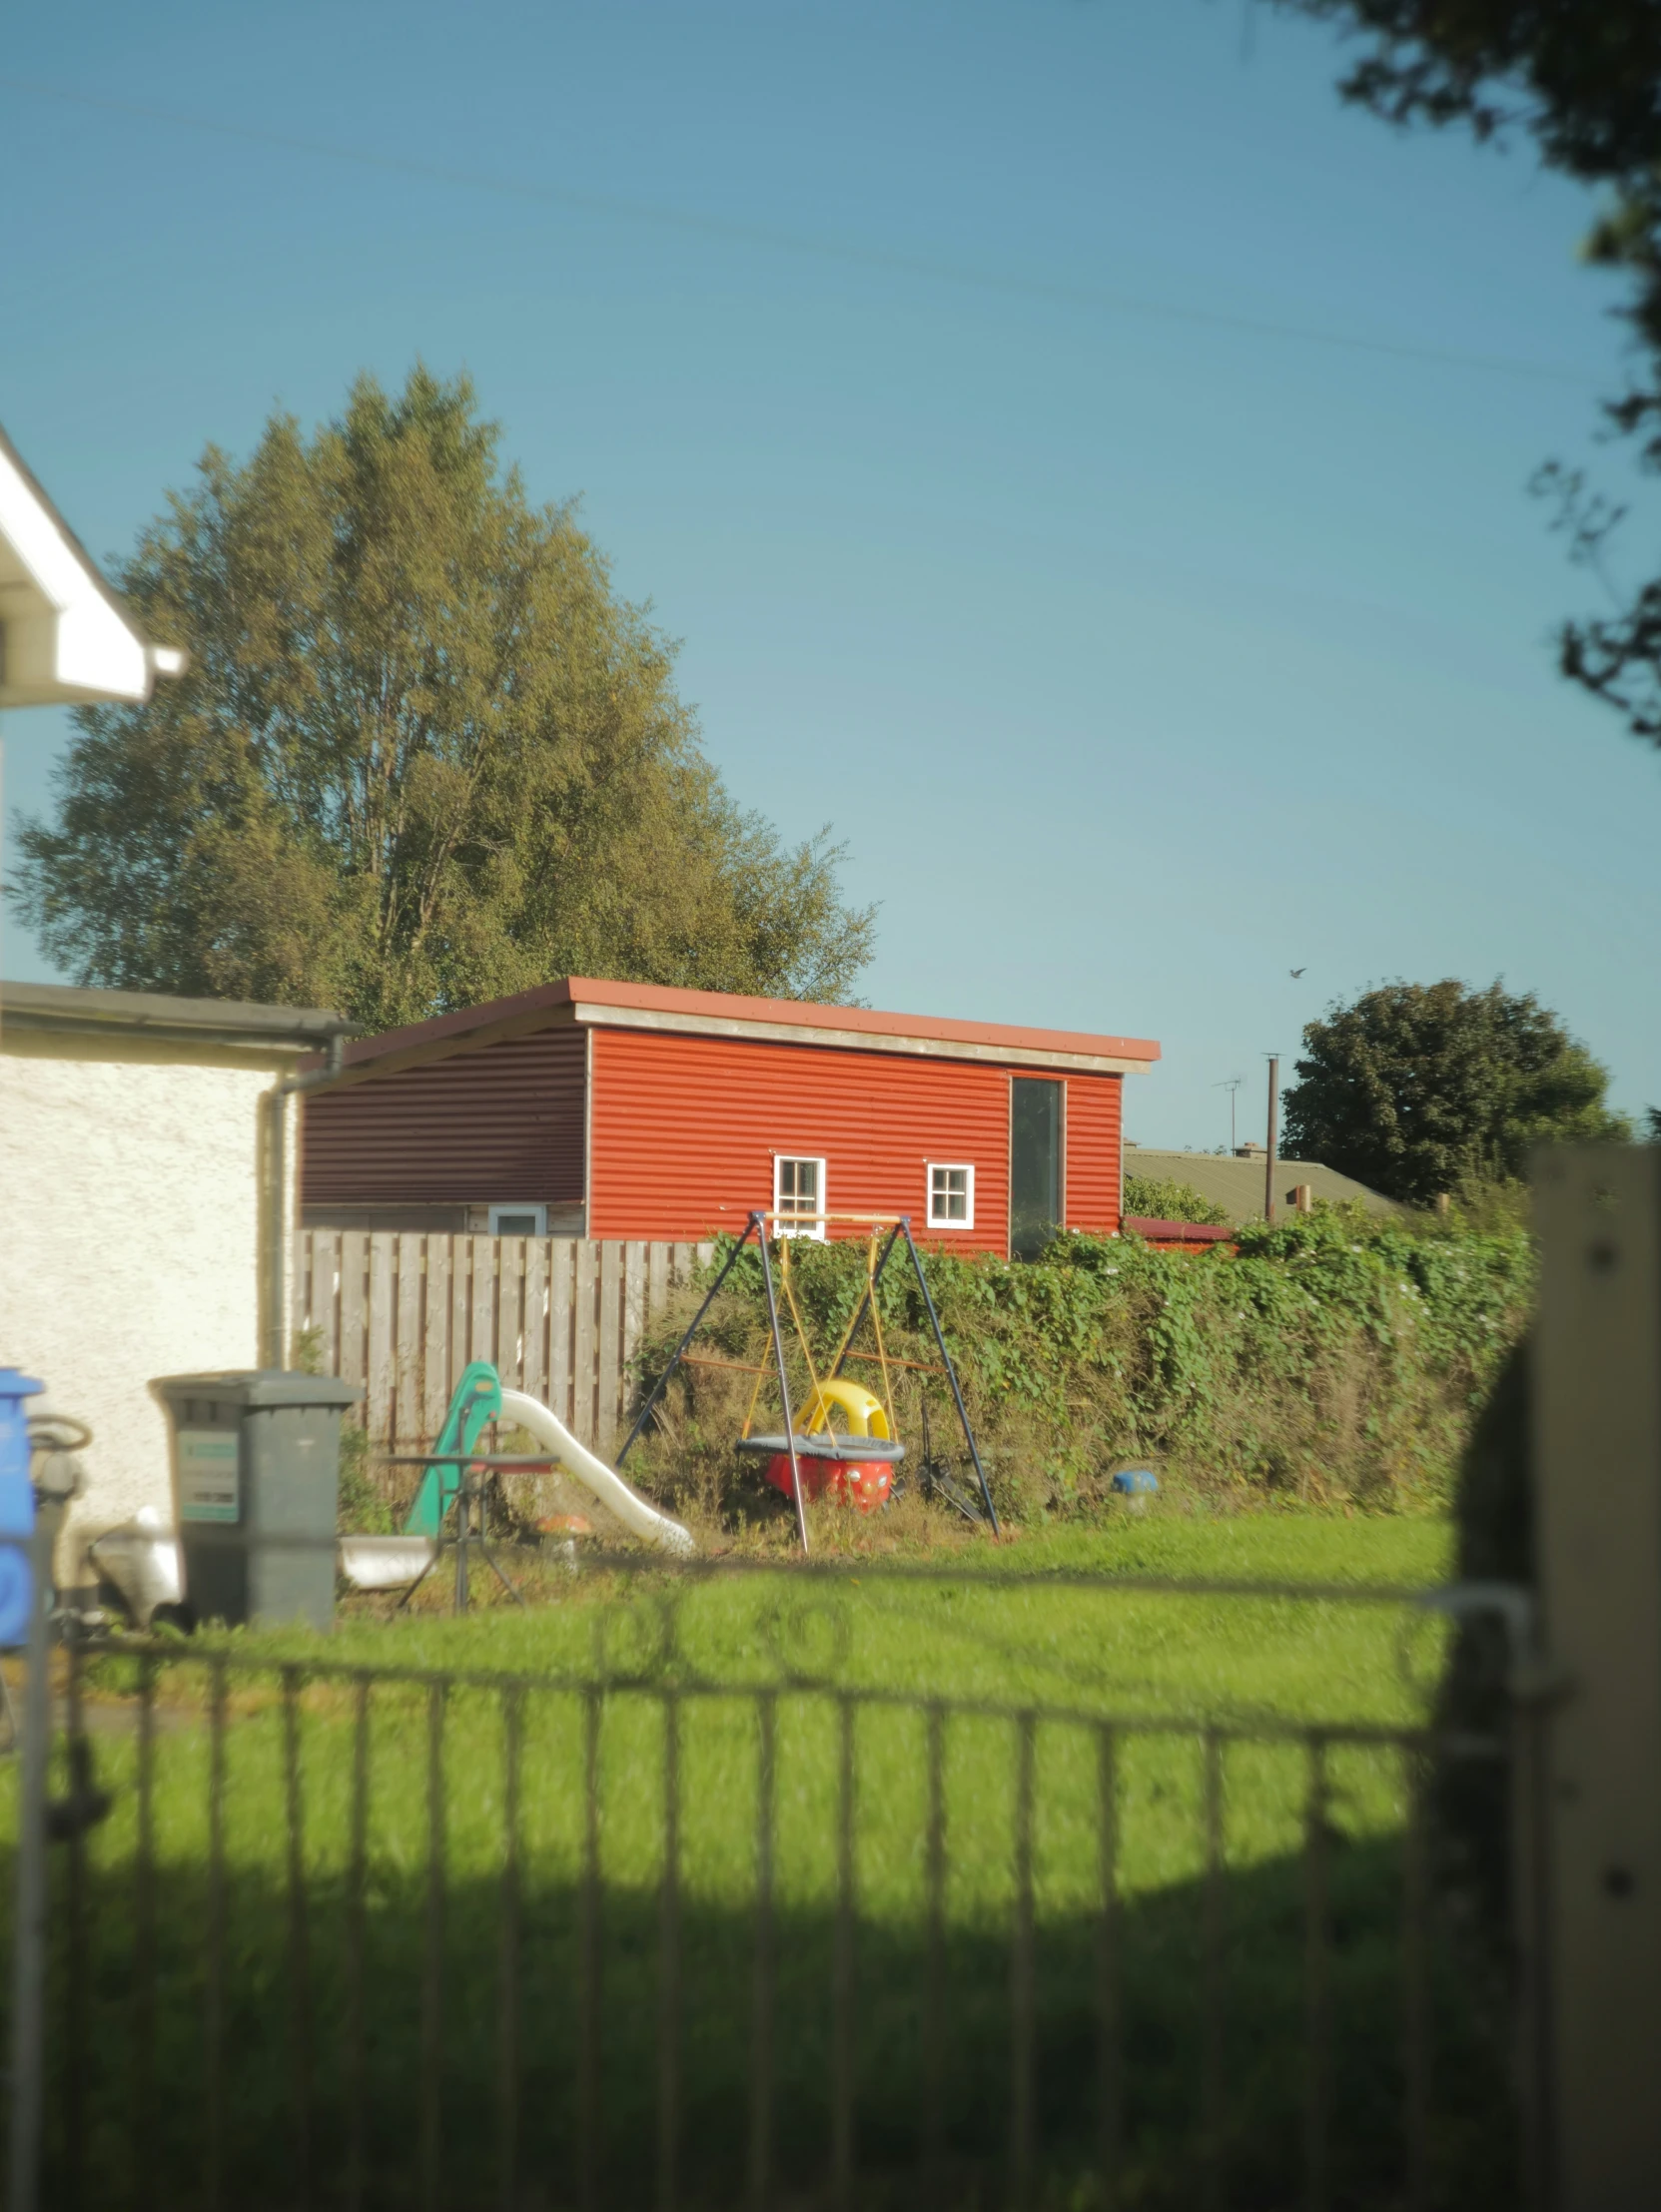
[(17, 1503)]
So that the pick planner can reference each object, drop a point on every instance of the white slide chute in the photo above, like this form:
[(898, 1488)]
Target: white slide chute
[(394, 1561), (640, 1519)]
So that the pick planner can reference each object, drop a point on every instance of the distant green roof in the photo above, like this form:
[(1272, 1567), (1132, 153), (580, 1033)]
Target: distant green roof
[(1238, 1184)]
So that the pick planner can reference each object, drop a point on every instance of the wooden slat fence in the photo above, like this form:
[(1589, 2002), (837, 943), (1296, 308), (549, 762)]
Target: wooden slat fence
[(561, 1317)]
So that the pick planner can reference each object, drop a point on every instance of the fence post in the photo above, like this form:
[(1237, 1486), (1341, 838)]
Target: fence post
[(1598, 1476)]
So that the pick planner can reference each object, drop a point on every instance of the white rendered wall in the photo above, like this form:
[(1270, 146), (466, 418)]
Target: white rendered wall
[(131, 1216)]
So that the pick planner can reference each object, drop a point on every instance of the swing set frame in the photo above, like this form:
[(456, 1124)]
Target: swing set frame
[(898, 1227)]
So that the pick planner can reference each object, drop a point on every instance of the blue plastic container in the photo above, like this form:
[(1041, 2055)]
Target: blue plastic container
[(17, 1503), (1136, 1482)]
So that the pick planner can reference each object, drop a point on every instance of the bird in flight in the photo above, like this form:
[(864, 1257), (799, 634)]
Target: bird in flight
[(1295, 973)]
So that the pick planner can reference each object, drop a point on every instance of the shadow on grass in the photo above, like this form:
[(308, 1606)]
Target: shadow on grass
[(145, 2091)]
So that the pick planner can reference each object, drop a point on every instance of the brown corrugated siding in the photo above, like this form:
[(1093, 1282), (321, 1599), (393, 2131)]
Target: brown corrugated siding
[(496, 1126), (687, 1129)]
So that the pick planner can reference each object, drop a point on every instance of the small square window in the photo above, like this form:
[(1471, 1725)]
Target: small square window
[(799, 1192), (519, 1221), (951, 1195)]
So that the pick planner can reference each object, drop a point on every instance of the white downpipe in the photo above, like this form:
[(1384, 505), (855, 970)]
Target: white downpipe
[(606, 1484)]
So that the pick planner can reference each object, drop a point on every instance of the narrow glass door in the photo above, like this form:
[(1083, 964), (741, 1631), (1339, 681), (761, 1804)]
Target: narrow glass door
[(1035, 1164)]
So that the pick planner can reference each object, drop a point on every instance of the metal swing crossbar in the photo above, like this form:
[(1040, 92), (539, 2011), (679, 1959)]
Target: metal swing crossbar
[(917, 1366), (798, 1447), (760, 1366), (531, 1463), (858, 1221)]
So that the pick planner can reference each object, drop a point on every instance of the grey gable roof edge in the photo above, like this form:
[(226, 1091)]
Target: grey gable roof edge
[(69, 1007)]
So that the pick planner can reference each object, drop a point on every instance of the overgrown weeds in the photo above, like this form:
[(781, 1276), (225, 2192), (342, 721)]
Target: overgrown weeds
[(1332, 1359)]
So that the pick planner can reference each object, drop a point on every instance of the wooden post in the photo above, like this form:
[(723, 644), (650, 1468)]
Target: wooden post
[(1274, 1107), (1597, 1479)]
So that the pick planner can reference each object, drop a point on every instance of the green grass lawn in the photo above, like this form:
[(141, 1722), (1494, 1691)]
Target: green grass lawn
[(986, 1644), (1106, 1651)]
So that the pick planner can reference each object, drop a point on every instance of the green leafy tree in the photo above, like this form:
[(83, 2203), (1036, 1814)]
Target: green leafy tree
[(1419, 1089), (1582, 79), (423, 755)]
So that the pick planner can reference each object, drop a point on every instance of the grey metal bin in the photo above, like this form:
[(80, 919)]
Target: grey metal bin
[(255, 1481)]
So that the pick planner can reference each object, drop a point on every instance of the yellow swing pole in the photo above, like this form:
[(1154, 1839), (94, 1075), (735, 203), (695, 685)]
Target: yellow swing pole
[(876, 1326), (789, 1289), (755, 1396), (854, 1318)]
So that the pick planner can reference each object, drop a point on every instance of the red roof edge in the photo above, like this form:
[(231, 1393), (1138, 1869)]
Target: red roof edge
[(1156, 1231), (586, 991), (458, 1024)]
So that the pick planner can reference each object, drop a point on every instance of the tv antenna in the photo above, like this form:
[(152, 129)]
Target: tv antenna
[(1231, 1083)]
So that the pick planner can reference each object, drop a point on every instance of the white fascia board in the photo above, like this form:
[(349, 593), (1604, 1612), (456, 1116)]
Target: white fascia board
[(65, 637)]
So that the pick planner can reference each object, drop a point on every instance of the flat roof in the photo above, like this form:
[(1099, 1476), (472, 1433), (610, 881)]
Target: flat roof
[(67, 1007), (601, 1003)]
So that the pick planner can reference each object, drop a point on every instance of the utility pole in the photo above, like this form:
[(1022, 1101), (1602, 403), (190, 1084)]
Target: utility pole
[(1231, 1086), (1274, 1104)]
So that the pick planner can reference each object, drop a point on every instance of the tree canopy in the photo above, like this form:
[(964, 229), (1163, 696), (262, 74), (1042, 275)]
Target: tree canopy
[(1582, 78), (1421, 1088), (422, 754)]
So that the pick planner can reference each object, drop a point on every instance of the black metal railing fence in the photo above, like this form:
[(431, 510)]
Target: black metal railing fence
[(632, 1933)]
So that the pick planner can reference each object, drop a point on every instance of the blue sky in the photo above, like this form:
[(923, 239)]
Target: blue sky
[(908, 358)]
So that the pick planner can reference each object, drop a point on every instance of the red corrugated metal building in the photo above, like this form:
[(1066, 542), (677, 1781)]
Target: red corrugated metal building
[(618, 1110)]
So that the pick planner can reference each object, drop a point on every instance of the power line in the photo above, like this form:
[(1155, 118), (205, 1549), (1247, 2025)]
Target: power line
[(786, 242)]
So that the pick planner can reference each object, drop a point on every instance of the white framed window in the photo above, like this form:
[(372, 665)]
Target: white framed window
[(951, 1194), (799, 1189), (519, 1221)]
